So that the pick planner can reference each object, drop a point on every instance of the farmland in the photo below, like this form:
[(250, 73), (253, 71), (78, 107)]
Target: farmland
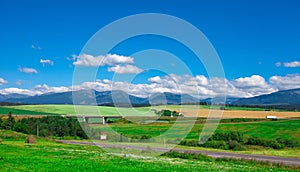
[(47, 155), (238, 120), (187, 110)]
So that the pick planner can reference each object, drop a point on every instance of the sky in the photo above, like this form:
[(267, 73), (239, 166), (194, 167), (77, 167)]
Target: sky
[(43, 44)]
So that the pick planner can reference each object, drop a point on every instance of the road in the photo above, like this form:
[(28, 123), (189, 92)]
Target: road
[(270, 159)]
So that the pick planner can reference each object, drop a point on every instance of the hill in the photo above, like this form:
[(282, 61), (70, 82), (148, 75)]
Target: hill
[(287, 99), (110, 98)]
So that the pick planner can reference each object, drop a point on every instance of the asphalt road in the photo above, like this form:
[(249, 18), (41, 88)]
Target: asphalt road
[(270, 159)]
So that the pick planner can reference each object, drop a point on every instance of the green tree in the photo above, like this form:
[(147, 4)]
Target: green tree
[(10, 122), (21, 127), (1, 123)]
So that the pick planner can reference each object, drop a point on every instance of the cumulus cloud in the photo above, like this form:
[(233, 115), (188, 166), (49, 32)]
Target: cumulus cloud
[(29, 92), (198, 86), (2, 81), (46, 61), (127, 69), (290, 81), (28, 70), (94, 61), (35, 47), (254, 85), (156, 79), (292, 64), (46, 89)]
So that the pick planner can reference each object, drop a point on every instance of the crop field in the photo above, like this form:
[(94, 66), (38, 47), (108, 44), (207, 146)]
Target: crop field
[(288, 129), (47, 155), (187, 110)]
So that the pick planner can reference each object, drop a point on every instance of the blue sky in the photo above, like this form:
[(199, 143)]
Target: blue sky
[(257, 42)]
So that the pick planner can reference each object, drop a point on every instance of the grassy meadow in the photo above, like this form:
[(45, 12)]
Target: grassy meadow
[(47, 155), (187, 110)]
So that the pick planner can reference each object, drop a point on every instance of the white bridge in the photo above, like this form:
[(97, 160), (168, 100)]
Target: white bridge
[(85, 118)]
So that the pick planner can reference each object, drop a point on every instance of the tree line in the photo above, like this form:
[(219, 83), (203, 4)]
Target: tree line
[(46, 126)]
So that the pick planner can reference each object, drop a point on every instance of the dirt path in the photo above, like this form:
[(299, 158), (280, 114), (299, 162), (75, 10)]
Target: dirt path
[(271, 159)]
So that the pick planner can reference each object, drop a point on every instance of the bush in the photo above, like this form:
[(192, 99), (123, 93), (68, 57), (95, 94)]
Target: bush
[(234, 145), (189, 142), (273, 144), (228, 136), (253, 140), (266, 143), (288, 142), (20, 127), (216, 144)]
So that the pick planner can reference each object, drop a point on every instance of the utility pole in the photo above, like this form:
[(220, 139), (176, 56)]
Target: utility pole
[(37, 130)]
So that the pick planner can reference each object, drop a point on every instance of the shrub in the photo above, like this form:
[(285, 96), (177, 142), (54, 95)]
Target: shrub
[(273, 144), (253, 140), (189, 142), (266, 143), (228, 136), (216, 144), (234, 145), (288, 142), (20, 127)]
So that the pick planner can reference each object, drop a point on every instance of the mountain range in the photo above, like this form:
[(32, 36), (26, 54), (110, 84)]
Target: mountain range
[(285, 98), (282, 99), (92, 97)]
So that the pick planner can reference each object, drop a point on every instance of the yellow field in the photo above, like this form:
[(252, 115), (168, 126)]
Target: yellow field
[(240, 113)]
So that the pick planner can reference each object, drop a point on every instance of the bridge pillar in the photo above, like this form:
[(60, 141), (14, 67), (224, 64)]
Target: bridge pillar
[(85, 119), (103, 120)]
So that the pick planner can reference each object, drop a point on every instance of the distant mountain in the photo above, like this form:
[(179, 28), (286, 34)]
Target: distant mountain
[(286, 98), (118, 98), (12, 96), (113, 98), (54, 98), (170, 98), (220, 100)]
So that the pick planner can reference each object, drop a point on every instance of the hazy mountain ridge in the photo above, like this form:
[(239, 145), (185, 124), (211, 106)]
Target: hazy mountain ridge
[(117, 97), (285, 98)]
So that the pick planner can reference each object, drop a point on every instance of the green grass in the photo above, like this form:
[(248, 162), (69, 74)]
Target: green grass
[(4, 110), (69, 109), (15, 155), (286, 129)]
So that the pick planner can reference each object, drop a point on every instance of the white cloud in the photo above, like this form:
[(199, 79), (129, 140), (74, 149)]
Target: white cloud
[(278, 64), (253, 81), (46, 61), (28, 70), (35, 47), (156, 79), (292, 64), (286, 82), (18, 91), (2, 81), (94, 61), (198, 86), (254, 85), (127, 69), (46, 89)]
